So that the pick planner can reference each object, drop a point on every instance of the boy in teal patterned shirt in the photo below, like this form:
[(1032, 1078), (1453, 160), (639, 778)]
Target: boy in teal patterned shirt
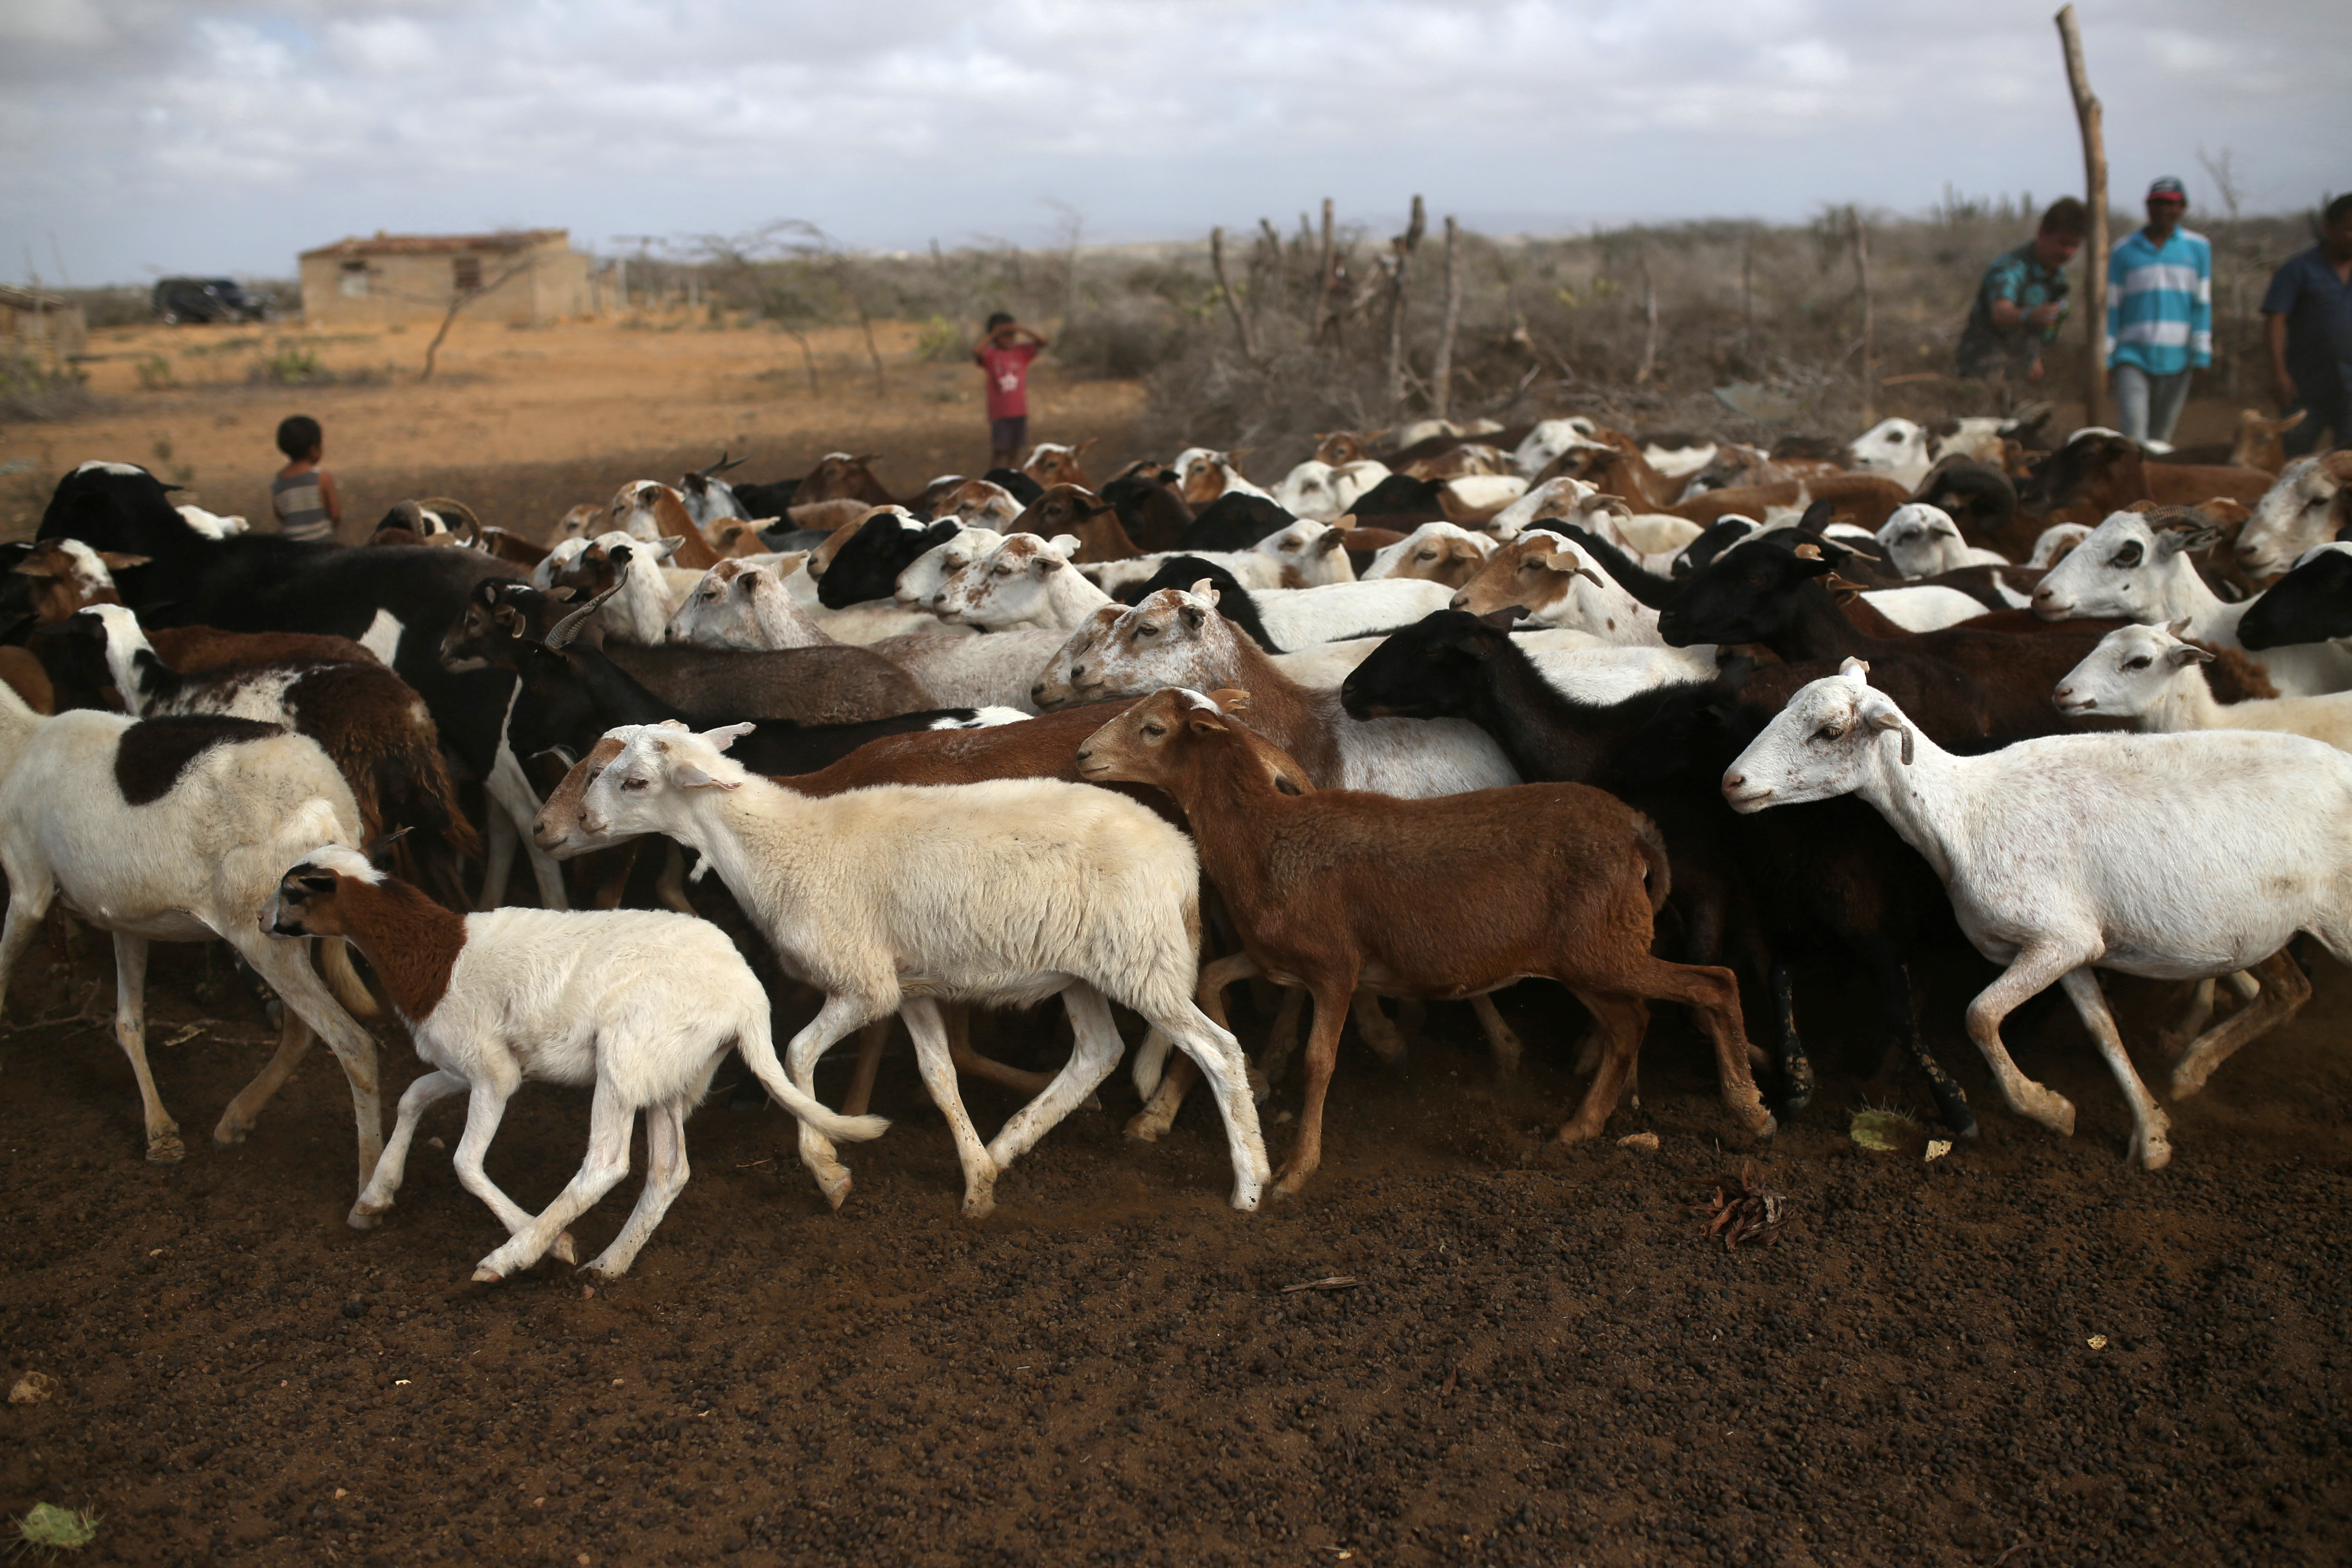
[(2022, 298)]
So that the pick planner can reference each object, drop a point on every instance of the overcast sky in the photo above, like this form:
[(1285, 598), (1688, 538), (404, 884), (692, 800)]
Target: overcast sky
[(153, 136)]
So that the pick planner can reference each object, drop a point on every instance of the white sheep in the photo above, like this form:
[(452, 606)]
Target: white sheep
[(2135, 566), (2303, 510), (176, 830), (642, 1005), (898, 897), (1305, 554), (2148, 674), (2051, 545), (742, 607), (1921, 541), (2174, 856), (922, 578), (1024, 581), (1435, 552)]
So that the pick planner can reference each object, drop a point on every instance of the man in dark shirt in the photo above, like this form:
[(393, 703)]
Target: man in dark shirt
[(2308, 321), (2022, 298)]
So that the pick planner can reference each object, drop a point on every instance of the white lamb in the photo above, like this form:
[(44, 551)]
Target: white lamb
[(2148, 674), (2175, 857), (898, 897), (1921, 541), (642, 1004), (175, 830)]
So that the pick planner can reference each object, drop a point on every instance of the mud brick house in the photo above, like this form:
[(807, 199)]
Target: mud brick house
[(526, 275)]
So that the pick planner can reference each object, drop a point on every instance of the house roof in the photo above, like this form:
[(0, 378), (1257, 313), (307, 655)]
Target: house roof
[(438, 244), (19, 299)]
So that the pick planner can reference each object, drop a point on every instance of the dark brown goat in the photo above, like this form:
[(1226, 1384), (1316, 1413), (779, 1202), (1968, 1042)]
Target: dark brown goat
[(1554, 879)]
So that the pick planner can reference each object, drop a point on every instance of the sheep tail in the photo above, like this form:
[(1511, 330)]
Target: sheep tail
[(1652, 848), (335, 968), (758, 1049)]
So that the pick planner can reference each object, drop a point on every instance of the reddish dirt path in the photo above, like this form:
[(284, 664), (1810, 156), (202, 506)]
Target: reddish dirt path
[(1543, 1363)]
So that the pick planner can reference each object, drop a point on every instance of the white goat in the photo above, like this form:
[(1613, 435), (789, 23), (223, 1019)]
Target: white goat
[(1921, 541), (2173, 857), (2303, 510), (898, 897), (1896, 447), (2148, 674), (2051, 545), (2134, 566), (1435, 552), (1323, 492), (922, 578), (1025, 580), (642, 1005), (1305, 554), (1549, 438), (741, 607), (175, 830)]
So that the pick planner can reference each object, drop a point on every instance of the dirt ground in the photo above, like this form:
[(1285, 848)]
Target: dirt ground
[(2023, 1353), (521, 423)]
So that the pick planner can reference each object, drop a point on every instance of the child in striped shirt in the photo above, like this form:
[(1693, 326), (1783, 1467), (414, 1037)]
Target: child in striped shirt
[(303, 494), (2160, 317)]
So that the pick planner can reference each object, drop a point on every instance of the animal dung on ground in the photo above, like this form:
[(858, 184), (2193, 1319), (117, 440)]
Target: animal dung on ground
[(1640, 1142), (34, 1388), (1737, 1208)]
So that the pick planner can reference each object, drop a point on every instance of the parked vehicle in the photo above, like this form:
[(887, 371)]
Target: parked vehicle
[(181, 299)]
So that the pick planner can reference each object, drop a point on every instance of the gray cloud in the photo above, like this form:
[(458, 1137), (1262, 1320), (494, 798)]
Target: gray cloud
[(222, 136)]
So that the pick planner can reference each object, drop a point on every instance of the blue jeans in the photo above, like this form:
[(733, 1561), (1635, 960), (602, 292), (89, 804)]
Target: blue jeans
[(2147, 406)]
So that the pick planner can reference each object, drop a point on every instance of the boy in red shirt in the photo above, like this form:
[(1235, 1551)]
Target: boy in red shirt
[(1005, 358)]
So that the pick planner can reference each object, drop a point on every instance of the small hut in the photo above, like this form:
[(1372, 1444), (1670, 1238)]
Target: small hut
[(37, 325), (526, 275)]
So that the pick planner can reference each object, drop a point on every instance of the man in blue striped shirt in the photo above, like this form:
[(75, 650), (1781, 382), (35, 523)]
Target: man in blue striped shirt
[(2160, 317)]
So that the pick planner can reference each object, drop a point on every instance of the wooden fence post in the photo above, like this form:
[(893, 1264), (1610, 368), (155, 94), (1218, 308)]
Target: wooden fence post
[(1441, 374), (1869, 322), (2095, 409), (1225, 288), (1404, 245)]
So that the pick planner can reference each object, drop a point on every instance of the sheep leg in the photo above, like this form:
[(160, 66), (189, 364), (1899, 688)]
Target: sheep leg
[(2030, 972), (937, 1067), (1094, 1050), (671, 887), (1151, 1123), (1618, 1024), (2176, 1040), (294, 1039), (971, 1064), (1796, 1067), (30, 889), (286, 966), (497, 856), (2149, 1123), (1161, 1103), (1281, 1039), (1500, 1039), (1712, 993), (1212, 1048), (609, 1121), (1331, 1006), (870, 1041), (163, 1145), (837, 1017), (391, 1168), (666, 1174), (1901, 1014), (1152, 1060), (2284, 989), (511, 793), (1373, 1025)]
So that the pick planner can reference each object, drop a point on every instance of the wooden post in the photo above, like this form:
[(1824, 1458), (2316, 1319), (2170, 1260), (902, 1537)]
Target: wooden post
[(1869, 325), (1747, 284), (1225, 288), (1326, 314), (1650, 317), (1401, 269), (1441, 374), (2095, 406)]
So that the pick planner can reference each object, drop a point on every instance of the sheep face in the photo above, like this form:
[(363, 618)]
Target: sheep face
[(1918, 537), (1890, 446), (2126, 674), (1433, 552), (927, 575), (654, 762), (2303, 510), (1314, 551), (304, 903), (1540, 573), (1160, 642), (1151, 741), (1428, 670), (1057, 685), (1010, 585), (2129, 568), (1744, 595), (2310, 604), (1825, 743)]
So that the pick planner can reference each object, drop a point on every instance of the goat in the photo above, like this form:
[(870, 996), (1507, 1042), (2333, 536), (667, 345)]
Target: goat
[(896, 899), (921, 580), (364, 717), (641, 1003), (1436, 552), (2174, 856), (2312, 604), (2149, 675), (1557, 880), (1202, 474), (1086, 517), (866, 565), (2135, 566), (172, 830), (2107, 472), (2309, 504), (1051, 464), (649, 511)]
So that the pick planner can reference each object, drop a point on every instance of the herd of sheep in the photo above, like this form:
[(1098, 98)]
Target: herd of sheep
[(1660, 720)]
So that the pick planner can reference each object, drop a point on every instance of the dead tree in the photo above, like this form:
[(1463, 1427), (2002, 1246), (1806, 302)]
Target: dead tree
[(1441, 374), (1399, 270), (1225, 290), (2095, 255)]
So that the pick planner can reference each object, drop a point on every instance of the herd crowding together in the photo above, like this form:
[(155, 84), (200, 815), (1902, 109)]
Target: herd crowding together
[(1648, 718)]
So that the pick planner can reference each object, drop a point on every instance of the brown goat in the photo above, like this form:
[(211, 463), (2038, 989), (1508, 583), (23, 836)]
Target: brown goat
[(1559, 881), (1610, 462), (64, 578), (1866, 499), (670, 519), (1052, 465), (840, 476), (2105, 473), (1070, 509)]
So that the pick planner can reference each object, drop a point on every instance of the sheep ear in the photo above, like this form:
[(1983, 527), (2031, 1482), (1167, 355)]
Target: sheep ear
[(317, 882), (1856, 670), (33, 567), (1194, 616), (2187, 653), (1204, 589), (1231, 700), (726, 734), (691, 777), (1065, 545), (121, 563), (666, 546), (1888, 719), (385, 842), (1203, 721)]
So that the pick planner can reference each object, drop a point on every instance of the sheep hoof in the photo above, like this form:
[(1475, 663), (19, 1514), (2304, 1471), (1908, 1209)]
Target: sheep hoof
[(2185, 1083), (487, 1276), (562, 1249), (835, 1190), (979, 1206), (363, 1218), (1145, 1127), (165, 1149), (229, 1133)]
